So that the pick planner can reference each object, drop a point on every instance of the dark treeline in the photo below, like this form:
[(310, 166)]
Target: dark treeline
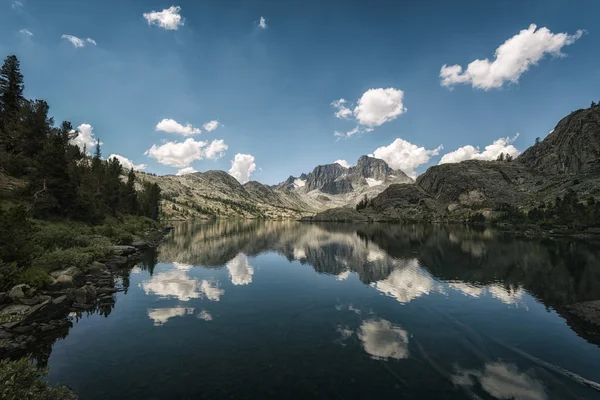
[(62, 179), (567, 212)]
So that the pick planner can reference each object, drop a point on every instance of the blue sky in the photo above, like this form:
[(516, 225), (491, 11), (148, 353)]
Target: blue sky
[(271, 89)]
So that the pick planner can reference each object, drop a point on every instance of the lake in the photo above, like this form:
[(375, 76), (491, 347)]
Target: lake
[(259, 309)]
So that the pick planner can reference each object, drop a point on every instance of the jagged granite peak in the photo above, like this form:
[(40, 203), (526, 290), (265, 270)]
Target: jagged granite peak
[(378, 169), (573, 147), (323, 175)]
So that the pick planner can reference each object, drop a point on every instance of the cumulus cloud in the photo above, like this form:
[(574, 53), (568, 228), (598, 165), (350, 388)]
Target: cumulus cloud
[(215, 150), (491, 152), (85, 137), (185, 171), (211, 125), (374, 108), (262, 23), (343, 163), (169, 18), (342, 110), (26, 32), (382, 340), (240, 270), (91, 41), (513, 58), (242, 166), (75, 41), (378, 106), (405, 156), (127, 163), (181, 154), (172, 126)]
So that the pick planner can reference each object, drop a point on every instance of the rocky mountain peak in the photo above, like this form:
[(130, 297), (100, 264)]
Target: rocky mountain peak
[(573, 147), (323, 175)]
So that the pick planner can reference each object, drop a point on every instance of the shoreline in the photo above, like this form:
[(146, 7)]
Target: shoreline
[(34, 318)]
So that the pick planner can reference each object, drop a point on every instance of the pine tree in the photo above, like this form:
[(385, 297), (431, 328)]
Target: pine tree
[(129, 199), (11, 89)]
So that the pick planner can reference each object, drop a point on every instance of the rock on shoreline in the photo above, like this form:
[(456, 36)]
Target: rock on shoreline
[(28, 316)]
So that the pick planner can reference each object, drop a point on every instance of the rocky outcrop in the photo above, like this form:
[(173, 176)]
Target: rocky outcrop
[(573, 147), (28, 316), (324, 176)]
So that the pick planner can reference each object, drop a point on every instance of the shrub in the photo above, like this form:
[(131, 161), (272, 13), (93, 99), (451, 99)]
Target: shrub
[(9, 275), (34, 277), (64, 258), (21, 380)]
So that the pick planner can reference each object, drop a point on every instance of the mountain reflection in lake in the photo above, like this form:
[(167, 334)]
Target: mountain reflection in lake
[(255, 310)]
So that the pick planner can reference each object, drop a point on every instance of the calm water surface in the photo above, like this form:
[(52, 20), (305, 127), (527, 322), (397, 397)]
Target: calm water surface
[(255, 310)]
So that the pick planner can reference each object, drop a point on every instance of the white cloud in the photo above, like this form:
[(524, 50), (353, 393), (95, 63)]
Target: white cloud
[(354, 131), (378, 106), (17, 4), (211, 125), (26, 32), (127, 163), (491, 152), (172, 126), (240, 270), (168, 18), (91, 41), (85, 138), (162, 315), (75, 41), (215, 150), (405, 156), (382, 340), (501, 381), (343, 163), (374, 108), (342, 110), (262, 23), (181, 154), (242, 166), (185, 171), (512, 59)]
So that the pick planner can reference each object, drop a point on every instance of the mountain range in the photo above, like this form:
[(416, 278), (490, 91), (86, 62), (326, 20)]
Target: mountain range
[(567, 159)]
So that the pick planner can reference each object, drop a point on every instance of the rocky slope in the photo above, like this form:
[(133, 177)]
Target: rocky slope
[(217, 194), (568, 159)]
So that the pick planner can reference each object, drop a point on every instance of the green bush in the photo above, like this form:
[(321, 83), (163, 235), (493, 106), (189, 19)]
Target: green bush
[(34, 277), (21, 380), (9, 275), (51, 236), (64, 258)]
